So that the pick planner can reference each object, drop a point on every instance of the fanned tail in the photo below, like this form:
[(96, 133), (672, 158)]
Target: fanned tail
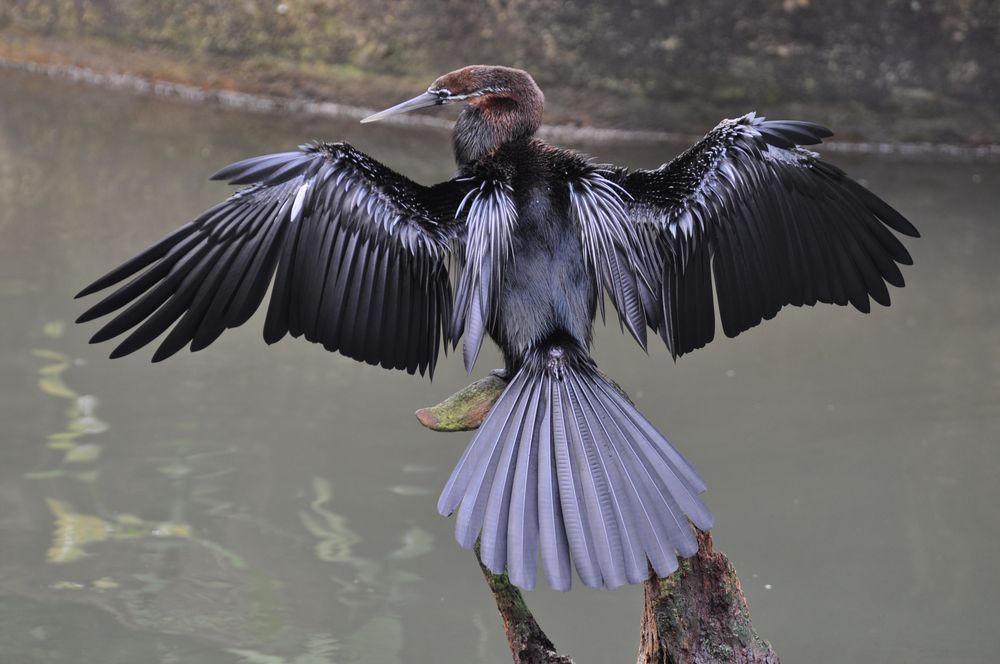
[(565, 463)]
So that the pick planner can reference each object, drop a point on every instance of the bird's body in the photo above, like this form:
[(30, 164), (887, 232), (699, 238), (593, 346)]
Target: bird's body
[(538, 237), (546, 289)]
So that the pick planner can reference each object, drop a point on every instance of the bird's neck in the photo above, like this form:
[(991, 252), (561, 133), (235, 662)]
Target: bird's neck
[(487, 123)]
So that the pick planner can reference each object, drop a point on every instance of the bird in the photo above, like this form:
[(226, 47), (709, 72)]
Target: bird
[(525, 244)]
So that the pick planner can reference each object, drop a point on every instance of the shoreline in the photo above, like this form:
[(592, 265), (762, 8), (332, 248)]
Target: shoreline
[(230, 96)]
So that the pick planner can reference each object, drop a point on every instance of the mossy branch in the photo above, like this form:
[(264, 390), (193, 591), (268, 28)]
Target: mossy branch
[(466, 409)]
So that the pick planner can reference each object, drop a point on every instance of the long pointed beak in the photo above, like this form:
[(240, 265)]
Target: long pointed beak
[(420, 101)]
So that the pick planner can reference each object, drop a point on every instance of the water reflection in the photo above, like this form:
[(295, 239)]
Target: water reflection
[(117, 542), (276, 504)]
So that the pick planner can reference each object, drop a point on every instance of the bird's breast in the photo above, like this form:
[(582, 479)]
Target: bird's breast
[(546, 287)]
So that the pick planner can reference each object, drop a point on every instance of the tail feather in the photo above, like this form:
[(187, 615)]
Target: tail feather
[(493, 546), (522, 537), (577, 531), (451, 495), (476, 495), (551, 527), (564, 462), (598, 494), (674, 471), (638, 482), (685, 473), (660, 491), (627, 561)]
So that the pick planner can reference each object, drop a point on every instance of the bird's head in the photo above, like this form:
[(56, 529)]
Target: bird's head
[(484, 87)]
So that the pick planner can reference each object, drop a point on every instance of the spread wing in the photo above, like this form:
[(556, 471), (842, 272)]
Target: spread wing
[(360, 254), (770, 221)]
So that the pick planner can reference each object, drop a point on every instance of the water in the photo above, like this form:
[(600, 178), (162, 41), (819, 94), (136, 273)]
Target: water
[(277, 504)]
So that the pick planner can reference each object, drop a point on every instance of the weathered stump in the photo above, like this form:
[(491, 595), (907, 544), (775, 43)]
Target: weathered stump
[(697, 615)]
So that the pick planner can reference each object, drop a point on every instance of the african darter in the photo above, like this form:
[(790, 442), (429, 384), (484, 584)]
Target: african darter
[(535, 237)]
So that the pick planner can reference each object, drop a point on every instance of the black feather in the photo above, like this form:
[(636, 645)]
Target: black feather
[(781, 225), (325, 218)]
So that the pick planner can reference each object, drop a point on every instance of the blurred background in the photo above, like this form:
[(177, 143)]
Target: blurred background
[(891, 70), (276, 505)]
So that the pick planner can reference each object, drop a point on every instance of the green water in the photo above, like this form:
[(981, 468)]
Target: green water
[(277, 504)]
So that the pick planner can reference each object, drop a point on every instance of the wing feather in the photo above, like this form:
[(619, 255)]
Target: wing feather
[(770, 221), (355, 251), (611, 245)]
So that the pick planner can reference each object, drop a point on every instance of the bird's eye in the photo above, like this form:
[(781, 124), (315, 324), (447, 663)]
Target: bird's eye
[(443, 93)]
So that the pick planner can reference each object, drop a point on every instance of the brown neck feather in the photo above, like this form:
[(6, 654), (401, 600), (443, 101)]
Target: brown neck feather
[(492, 120)]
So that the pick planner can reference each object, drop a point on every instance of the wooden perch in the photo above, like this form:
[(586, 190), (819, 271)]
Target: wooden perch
[(697, 615), (466, 409)]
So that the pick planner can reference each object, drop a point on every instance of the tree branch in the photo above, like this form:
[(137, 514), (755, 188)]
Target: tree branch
[(466, 409)]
